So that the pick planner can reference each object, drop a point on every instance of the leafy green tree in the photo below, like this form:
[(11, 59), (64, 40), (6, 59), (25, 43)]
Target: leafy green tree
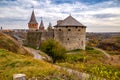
[(54, 49)]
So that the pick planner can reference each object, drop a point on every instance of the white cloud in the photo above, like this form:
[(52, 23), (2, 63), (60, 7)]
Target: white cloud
[(90, 15)]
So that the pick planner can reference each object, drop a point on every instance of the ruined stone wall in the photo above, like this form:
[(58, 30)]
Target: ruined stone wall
[(71, 37)]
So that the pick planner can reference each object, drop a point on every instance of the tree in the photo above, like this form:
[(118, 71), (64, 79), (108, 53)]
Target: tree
[(54, 49)]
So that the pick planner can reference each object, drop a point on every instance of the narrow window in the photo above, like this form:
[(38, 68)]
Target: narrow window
[(78, 29), (59, 29), (69, 29), (82, 43), (76, 26), (67, 38)]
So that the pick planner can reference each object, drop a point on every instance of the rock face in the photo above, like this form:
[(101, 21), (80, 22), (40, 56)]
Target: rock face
[(70, 33)]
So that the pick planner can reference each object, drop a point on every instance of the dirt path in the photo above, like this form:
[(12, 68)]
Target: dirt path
[(38, 54), (106, 54), (112, 59), (35, 53)]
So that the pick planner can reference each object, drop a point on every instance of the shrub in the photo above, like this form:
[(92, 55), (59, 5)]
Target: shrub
[(89, 48), (54, 49)]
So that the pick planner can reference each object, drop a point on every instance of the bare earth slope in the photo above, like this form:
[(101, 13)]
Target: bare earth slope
[(8, 43)]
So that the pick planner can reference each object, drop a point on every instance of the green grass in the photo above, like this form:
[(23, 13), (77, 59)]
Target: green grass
[(11, 63), (91, 61), (76, 50), (84, 55), (98, 70), (113, 52)]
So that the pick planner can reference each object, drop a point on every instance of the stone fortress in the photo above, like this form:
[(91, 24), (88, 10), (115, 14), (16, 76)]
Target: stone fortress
[(69, 32)]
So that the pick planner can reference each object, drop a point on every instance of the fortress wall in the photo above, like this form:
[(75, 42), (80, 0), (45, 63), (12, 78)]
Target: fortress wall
[(71, 37), (47, 35), (34, 39)]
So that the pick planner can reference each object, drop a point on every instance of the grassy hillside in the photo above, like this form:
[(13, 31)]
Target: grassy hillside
[(8, 43), (93, 62), (11, 63), (89, 61)]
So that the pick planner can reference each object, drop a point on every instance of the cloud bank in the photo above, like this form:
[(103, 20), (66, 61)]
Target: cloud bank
[(102, 16)]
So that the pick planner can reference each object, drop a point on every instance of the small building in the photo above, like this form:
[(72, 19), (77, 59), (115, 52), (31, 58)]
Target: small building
[(70, 33)]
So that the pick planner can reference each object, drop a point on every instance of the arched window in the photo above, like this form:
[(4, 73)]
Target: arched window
[(67, 38)]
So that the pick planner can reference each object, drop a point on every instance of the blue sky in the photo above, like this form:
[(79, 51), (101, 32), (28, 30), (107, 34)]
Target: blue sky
[(97, 15)]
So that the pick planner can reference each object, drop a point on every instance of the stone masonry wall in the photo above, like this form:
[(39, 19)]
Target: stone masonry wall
[(34, 39), (71, 37)]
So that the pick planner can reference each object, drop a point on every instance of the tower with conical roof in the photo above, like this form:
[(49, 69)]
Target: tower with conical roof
[(41, 27), (49, 26), (33, 25)]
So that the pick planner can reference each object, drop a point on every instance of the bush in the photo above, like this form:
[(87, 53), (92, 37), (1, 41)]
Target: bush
[(54, 49), (89, 48)]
